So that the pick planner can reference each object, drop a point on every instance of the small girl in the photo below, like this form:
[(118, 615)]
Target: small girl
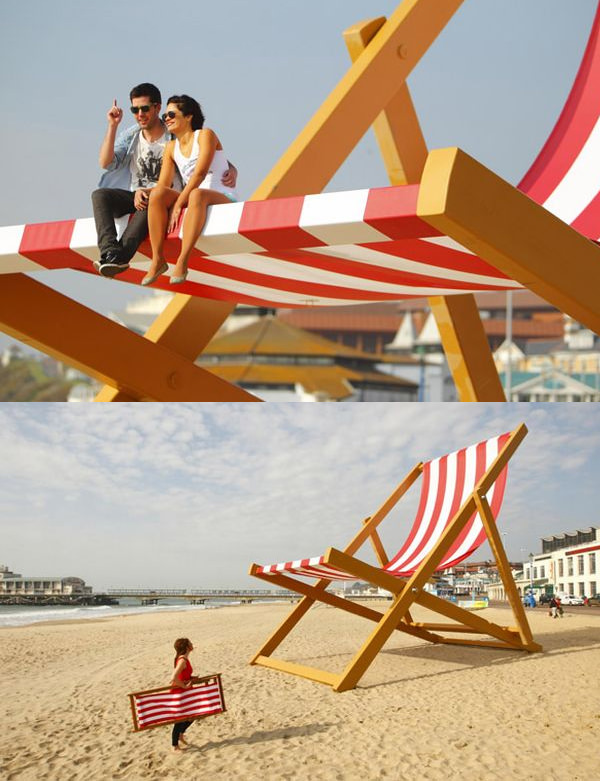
[(182, 679)]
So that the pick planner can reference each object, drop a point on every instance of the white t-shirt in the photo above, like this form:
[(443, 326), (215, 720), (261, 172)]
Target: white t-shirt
[(146, 161)]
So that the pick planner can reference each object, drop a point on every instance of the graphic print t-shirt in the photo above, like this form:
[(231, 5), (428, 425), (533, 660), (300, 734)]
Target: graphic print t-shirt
[(146, 161)]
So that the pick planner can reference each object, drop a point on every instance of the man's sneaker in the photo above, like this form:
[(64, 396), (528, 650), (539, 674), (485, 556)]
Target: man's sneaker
[(112, 264), (104, 256)]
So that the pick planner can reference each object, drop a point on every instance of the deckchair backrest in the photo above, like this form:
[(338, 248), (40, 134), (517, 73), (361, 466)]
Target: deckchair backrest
[(565, 176), (446, 484)]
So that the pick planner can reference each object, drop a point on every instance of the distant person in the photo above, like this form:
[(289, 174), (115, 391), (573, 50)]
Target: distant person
[(555, 608), (182, 679), (133, 163), (196, 155), (559, 608)]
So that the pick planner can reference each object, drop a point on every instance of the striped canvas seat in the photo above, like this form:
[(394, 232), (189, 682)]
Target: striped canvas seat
[(446, 483), (155, 707), (332, 248)]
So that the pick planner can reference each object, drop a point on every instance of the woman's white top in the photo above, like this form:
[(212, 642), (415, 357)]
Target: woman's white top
[(218, 165)]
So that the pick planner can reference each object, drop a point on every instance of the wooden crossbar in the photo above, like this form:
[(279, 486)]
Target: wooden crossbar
[(314, 674)]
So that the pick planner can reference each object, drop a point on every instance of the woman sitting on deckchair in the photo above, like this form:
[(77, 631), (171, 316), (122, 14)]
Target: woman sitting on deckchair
[(201, 161)]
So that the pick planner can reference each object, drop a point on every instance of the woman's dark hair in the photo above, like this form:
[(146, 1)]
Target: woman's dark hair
[(182, 646), (146, 90), (189, 107)]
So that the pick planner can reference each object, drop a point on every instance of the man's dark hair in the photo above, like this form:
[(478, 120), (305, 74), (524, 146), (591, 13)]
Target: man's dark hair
[(188, 106), (146, 91)]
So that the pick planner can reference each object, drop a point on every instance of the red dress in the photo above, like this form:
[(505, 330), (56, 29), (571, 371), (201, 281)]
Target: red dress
[(185, 675)]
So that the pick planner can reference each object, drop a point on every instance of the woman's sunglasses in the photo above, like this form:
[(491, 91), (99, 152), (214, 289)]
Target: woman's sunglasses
[(143, 109), (169, 115)]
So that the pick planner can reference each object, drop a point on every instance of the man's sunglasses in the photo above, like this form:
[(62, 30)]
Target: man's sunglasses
[(169, 115), (143, 109)]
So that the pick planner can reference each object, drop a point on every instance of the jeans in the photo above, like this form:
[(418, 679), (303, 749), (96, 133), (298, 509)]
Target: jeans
[(109, 203)]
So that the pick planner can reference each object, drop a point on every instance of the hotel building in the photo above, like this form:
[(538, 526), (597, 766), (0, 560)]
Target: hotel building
[(569, 562)]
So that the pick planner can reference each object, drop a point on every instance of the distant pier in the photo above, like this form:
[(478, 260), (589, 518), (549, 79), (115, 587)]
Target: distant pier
[(150, 596)]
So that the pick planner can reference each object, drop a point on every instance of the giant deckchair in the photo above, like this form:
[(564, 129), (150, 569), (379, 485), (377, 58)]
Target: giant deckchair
[(461, 496), (452, 228)]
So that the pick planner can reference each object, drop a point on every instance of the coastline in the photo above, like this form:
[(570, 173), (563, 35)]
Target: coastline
[(422, 711), (33, 614)]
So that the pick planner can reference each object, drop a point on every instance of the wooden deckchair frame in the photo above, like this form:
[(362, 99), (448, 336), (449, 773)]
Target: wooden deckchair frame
[(406, 591)]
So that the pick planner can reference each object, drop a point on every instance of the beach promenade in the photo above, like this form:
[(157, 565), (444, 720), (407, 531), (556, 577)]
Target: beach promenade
[(421, 711)]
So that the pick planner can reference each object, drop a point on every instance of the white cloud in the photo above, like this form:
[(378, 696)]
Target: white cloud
[(117, 493)]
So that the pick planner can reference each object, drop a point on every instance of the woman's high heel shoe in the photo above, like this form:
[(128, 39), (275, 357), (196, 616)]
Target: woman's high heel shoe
[(150, 278)]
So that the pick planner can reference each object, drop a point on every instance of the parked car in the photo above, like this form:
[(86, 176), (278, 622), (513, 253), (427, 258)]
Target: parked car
[(544, 599), (570, 599), (595, 600)]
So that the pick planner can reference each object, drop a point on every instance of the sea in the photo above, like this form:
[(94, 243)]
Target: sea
[(22, 615)]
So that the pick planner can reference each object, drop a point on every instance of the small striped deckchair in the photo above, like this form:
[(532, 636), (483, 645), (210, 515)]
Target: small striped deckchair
[(461, 496), (155, 707)]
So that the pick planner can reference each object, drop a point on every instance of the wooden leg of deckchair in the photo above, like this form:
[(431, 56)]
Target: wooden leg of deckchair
[(374, 643), (297, 613), (284, 629), (487, 518)]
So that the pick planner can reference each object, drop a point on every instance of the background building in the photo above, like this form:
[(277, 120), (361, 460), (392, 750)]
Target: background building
[(13, 584), (568, 564)]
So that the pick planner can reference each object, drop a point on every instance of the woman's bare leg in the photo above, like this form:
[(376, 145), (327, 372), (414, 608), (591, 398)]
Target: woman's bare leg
[(195, 217), (161, 200)]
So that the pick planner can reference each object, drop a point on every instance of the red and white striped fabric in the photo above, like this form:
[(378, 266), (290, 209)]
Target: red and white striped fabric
[(161, 706), (333, 248), (564, 177), (447, 483)]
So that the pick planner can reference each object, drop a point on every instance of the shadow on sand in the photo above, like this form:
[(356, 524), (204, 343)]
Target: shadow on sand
[(283, 733), (472, 657)]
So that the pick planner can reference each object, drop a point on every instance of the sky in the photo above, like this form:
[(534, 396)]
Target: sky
[(493, 83), (189, 495)]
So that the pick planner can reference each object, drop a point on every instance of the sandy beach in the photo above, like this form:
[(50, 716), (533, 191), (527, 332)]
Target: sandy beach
[(421, 712)]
